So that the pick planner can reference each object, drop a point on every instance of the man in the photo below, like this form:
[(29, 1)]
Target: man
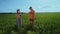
[(31, 15)]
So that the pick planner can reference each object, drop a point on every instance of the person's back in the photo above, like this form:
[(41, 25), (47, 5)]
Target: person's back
[(31, 14)]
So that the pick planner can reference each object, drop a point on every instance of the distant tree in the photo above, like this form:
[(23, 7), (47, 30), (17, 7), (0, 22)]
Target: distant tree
[(22, 12)]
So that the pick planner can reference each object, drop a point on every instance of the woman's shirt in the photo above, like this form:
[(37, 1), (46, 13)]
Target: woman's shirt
[(18, 16)]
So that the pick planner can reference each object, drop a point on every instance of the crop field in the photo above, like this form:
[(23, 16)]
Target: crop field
[(44, 23)]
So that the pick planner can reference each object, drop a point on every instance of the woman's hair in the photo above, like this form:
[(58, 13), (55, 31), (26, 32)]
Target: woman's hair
[(18, 11)]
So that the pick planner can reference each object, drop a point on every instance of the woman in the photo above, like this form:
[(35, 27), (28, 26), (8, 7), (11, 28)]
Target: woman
[(18, 19)]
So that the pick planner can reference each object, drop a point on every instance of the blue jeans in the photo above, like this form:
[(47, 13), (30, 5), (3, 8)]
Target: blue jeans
[(18, 22)]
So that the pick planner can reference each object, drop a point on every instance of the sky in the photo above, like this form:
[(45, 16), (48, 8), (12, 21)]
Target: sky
[(23, 5)]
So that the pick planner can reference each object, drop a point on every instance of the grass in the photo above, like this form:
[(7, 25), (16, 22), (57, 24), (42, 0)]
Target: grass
[(45, 23)]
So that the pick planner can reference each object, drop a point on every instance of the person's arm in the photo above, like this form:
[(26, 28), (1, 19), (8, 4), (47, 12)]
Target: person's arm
[(20, 15), (28, 13)]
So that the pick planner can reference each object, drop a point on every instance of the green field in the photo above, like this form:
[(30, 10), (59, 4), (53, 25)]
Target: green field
[(45, 23)]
